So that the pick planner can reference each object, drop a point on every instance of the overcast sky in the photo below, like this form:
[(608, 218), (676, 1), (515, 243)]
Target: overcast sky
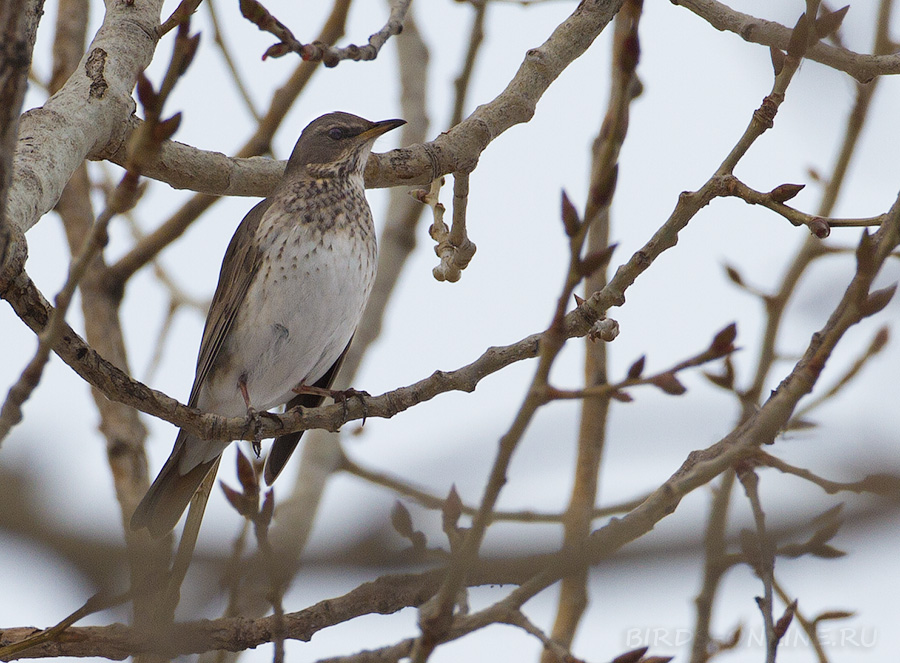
[(700, 88)]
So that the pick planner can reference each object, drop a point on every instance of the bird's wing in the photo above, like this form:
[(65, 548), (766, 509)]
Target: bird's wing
[(239, 266), (170, 493), (284, 445)]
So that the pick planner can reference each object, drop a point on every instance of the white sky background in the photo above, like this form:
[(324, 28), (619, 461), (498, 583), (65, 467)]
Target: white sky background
[(701, 87)]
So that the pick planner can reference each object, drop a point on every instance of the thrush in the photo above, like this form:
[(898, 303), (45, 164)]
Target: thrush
[(291, 291)]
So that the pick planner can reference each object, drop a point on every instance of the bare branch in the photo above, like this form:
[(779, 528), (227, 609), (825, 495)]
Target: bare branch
[(219, 40), (759, 428), (461, 84), (61, 133), (18, 26), (818, 226), (762, 559), (144, 144), (383, 596), (432, 501), (182, 13), (458, 149), (318, 51), (863, 68)]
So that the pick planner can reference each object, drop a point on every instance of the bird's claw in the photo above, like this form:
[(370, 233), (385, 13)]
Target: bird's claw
[(345, 395), (341, 396), (256, 417)]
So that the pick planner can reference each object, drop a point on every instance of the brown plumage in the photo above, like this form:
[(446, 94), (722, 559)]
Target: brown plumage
[(292, 288)]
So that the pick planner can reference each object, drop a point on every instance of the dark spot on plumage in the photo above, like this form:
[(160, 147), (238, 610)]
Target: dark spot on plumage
[(281, 332)]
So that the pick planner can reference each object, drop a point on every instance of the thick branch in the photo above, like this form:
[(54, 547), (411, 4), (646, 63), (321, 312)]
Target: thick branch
[(18, 30), (88, 112), (18, 27), (184, 167), (34, 310), (383, 596)]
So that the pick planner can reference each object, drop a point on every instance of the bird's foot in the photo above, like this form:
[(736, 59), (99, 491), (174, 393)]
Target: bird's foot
[(341, 396), (252, 414), (344, 396), (256, 417)]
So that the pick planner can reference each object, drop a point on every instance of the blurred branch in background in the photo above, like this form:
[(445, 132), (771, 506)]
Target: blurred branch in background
[(704, 644), (578, 520)]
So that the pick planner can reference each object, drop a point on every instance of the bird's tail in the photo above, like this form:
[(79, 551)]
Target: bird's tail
[(170, 492), (284, 445)]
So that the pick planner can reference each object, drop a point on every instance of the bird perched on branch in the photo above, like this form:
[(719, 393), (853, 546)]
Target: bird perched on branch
[(291, 292)]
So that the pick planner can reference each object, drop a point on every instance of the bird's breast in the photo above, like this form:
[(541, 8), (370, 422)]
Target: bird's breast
[(302, 307)]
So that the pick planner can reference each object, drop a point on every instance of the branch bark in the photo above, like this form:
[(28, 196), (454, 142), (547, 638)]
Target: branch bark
[(185, 167), (55, 138), (863, 67), (18, 23)]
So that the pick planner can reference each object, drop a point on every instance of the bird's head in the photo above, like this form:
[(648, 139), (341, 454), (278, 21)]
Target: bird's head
[(336, 144)]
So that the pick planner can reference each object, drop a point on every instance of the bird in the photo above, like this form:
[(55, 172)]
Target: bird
[(292, 288)]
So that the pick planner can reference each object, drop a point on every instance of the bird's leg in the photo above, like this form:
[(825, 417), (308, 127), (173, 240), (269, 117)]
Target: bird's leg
[(310, 389), (253, 414), (337, 395)]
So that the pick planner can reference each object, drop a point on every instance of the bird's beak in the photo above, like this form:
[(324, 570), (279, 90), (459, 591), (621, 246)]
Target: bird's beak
[(379, 128)]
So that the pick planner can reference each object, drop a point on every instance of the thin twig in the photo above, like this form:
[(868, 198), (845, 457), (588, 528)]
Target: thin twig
[(879, 484), (318, 51), (551, 645), (721, 346), (182, 13), (818, 225), (714, 566), (461, 84), (431, 501), (879, 340), (219, 40), (808, 626), (763, 561), (261, 521)]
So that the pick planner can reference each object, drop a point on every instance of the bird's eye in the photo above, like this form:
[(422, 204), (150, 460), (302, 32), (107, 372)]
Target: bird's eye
[(335, 133)]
